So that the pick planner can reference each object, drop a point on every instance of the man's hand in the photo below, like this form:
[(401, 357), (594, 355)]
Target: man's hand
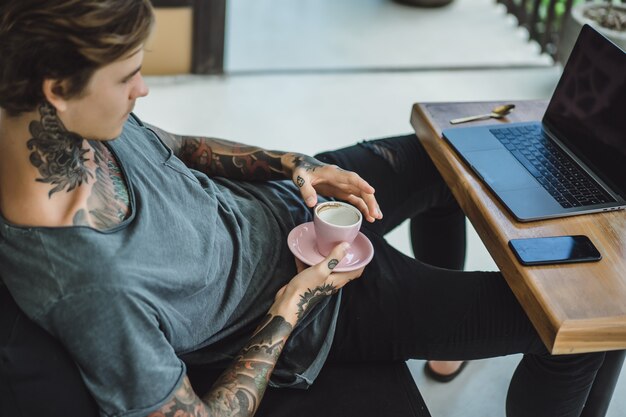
[(313, 177), (239, 389), (217, 157), (311, 285)]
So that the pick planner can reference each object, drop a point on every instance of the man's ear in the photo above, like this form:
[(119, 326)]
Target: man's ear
[(54, 92)]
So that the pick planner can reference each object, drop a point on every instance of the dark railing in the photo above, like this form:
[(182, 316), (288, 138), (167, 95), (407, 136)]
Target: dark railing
[(543, 19)]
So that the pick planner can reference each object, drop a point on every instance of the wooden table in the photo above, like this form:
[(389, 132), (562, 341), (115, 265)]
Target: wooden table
[(575, 307)]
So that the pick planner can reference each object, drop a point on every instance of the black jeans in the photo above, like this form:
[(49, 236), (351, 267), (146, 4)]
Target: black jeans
[(426, 308)]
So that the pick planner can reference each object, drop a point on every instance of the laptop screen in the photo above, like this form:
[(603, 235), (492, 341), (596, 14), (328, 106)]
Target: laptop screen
[(587, 111)]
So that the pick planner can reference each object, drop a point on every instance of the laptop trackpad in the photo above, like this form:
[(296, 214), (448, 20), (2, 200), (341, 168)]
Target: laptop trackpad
[(501, 170)]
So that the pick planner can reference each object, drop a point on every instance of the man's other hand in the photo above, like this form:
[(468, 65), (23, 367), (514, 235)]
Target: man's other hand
[(313, 177)]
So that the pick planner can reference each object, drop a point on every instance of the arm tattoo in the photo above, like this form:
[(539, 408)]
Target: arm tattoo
[(184, 404), (242, 386), (56, 152), (217, 157), (310, 298), (239, 389), (222, 158)]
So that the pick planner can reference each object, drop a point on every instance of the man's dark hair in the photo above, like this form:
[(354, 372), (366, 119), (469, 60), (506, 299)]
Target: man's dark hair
[(66, 40)]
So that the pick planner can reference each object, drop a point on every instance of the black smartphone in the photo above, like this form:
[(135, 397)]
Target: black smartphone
[(554, 250)]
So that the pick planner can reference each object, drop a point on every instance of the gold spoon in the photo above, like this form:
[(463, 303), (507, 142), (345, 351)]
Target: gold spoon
[(497, 112)]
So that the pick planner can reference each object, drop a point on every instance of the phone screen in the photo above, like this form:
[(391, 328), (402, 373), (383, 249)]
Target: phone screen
[(554, 250)]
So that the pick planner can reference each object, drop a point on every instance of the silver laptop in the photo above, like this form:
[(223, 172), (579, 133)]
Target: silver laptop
[(574, 160)]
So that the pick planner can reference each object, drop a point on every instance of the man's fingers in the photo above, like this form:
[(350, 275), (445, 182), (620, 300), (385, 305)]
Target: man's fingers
[(352, 188), (355, 180), (361, 205), (362, 191), (372, 206), (334, 257), (306, 189)]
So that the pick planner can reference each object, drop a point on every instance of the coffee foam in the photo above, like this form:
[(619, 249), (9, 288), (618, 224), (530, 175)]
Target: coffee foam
[(338, 215)]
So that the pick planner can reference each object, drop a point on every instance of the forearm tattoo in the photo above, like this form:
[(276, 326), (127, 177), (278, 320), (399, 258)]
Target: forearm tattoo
[(308, 163), (56, 152), (216, 157), (184, 404), (222, 158), (233, 160), (311, 297), (239, 389)]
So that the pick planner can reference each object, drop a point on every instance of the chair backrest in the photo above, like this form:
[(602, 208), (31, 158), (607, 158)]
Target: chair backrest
[(37, 375)]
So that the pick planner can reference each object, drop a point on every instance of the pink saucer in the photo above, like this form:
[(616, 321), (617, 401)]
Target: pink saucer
[(301, 241)]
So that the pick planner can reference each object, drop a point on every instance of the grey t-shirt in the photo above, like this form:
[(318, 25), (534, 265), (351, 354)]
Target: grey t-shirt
[(189, 274)]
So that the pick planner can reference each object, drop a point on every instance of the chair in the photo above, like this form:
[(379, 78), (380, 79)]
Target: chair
[(38, 377)]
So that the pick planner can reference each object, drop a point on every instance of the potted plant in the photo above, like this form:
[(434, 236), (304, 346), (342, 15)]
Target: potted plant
[(606, 17)]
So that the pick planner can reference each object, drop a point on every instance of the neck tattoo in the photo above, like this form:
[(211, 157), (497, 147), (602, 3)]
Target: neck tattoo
[(56, 152)]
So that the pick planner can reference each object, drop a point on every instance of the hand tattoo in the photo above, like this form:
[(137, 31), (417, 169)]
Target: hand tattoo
[(309, 164), (56, 152), (300, 181), (332, 264), (310, 298)]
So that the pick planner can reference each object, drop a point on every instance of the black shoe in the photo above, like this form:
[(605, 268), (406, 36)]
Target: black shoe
[(425, 3), (440, 377)]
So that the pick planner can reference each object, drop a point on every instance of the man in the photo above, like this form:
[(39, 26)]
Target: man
[(142, 251)]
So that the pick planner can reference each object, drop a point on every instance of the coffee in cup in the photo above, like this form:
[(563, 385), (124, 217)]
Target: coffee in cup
[(335, 222)]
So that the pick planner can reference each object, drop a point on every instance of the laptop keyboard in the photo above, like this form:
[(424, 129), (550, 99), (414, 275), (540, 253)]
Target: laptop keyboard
[(554, 169)]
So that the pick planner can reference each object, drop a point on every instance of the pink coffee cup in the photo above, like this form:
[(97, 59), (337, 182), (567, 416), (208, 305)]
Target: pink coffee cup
[(335, 222)]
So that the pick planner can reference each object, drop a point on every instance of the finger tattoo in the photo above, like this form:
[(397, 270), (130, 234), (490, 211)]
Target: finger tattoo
[(332, 264), (300, 181)]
